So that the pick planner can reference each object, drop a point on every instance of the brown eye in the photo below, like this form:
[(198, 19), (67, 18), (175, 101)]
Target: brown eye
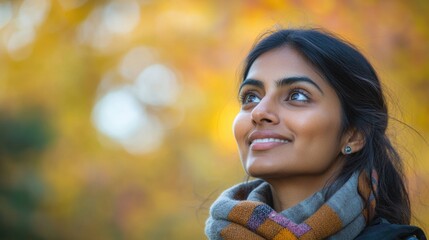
[(298, 96), (250, 98)]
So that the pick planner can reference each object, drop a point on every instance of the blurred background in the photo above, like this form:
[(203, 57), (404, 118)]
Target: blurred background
[(115, 115)]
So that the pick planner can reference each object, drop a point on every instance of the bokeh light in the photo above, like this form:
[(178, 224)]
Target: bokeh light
[(21, 32), (157, 85), (136, 60), (5, 13), (123, 111), (121, 17), (118, 114)]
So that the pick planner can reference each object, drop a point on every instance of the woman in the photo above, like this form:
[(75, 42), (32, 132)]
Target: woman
[(312, 130)]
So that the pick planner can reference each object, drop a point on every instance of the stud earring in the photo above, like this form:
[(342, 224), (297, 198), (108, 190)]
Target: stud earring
[(347, 150)]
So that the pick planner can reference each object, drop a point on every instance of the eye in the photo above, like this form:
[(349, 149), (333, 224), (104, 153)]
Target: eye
[(249, 97), (298, 95)]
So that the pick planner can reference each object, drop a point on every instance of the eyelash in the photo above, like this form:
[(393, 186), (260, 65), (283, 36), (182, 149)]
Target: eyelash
[(301, 91), (244, 94)]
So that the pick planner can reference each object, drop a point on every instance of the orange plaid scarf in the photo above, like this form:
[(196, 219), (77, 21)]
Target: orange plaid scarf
[(242, 214)]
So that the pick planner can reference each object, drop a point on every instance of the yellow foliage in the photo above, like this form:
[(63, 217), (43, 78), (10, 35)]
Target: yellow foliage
[(64, 56)]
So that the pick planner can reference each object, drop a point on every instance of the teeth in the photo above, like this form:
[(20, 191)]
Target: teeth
[(266, 140)]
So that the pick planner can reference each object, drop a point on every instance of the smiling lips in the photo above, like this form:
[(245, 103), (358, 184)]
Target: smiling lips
[(261, 141)]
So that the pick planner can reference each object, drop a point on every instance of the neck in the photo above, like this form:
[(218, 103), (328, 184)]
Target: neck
[(289, 192)]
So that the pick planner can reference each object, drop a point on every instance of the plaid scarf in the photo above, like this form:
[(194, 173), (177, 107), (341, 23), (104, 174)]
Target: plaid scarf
[(244, 212)]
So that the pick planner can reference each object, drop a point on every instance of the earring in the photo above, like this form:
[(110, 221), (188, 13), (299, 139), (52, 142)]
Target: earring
[(347, 150)]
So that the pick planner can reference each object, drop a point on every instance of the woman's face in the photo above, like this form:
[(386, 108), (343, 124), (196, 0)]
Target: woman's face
[(290, 119)]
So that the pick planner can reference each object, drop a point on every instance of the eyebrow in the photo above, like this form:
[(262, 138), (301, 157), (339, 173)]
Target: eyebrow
[(251, 82), (292, 80), (280, 83)]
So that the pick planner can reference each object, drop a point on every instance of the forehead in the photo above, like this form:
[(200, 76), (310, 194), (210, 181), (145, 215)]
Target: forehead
[(283, 62)]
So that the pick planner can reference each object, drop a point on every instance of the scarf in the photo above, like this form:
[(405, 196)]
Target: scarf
[(244, 212)]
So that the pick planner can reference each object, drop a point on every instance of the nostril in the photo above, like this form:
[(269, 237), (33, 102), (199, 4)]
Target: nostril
[(267, 120), (263, 117)]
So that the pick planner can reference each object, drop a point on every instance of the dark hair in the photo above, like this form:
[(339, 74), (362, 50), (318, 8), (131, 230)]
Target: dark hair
[(363, 108)]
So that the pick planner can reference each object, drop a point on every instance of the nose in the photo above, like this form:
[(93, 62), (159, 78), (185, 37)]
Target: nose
[(265, 112)]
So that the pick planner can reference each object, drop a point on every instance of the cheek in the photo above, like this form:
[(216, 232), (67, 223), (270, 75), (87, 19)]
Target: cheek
[(241, 126), (320, 128)]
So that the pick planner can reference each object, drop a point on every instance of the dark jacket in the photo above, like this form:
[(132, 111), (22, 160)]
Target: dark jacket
[(379, 228)]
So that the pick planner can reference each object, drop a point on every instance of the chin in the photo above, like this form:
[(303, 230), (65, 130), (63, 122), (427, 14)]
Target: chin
[(263, 172), (257, 167)]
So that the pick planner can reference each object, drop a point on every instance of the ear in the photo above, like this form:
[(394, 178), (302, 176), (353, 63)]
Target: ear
[(354, 139)]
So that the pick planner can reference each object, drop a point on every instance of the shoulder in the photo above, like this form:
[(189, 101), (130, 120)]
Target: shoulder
[(379, 228)]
